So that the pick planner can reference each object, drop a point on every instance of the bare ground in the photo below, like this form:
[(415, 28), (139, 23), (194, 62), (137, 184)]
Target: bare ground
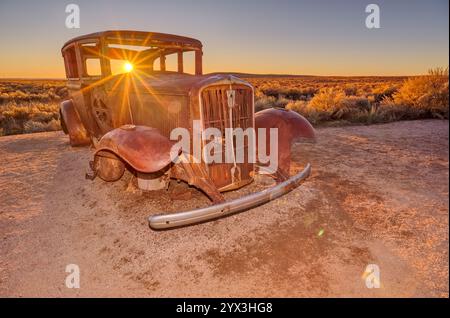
[(378, 195)]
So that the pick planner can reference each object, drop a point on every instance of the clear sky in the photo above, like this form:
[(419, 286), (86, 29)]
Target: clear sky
[(319, 37)]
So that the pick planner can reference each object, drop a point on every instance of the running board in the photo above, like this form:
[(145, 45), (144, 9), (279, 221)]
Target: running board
[(167, 221)]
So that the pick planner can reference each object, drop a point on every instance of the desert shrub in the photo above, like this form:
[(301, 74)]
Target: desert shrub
[(17, 113), (389, 111), (299, 94), (281, 102), (54, 125), (353, 109), (32, 126), (378, 100), (44, 116), (29, 117), (328, 100), (383, 91), (10, 126), (33, 105), (428, 93), (356, 103), (264, 102), (290, 93), (334, 105), (25, 91), (303, 108), (272, 91), (350, 90), (4, 97), (62, 92)]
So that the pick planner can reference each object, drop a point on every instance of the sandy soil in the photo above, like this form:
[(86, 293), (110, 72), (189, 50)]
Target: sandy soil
[(378, 195)]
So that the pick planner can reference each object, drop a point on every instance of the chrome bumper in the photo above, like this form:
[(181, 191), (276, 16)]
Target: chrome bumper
[(158, 222)]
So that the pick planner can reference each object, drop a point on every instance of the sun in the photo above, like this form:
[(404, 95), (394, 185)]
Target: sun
[(128, 67)]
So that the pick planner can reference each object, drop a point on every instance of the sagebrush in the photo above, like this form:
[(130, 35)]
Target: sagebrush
[(343, 100), (33, 105)]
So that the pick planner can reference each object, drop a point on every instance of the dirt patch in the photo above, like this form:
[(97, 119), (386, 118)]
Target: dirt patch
[(378, 195)]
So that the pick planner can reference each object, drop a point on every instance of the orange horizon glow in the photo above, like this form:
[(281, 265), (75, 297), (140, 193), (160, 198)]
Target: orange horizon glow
[(52, 67)]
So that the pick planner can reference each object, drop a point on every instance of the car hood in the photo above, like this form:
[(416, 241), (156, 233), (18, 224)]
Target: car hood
[(175, 83)]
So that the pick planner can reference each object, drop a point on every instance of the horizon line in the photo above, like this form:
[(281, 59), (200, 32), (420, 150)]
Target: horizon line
[(235, 73)]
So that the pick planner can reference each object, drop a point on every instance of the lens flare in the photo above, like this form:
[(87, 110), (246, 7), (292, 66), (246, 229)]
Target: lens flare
[(128, 67)]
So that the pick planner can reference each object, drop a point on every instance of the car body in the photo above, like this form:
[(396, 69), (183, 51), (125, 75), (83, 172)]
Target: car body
[(129, 115)]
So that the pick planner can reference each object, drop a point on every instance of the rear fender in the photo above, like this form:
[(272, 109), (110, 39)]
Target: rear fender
[(72, 125), (292, 127)]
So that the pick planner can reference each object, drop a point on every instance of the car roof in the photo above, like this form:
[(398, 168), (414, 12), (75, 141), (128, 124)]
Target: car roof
[(149, 38)]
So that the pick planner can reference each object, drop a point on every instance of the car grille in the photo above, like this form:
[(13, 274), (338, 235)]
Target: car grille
[(215, 113)]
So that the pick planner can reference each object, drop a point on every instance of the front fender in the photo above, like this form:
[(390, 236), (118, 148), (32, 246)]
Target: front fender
[(142, 147), (291, 127)]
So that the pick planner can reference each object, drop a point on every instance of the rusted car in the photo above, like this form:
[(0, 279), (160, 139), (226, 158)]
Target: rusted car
[(128, 92)]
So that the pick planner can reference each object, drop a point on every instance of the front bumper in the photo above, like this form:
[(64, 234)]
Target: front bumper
[(159, 222)]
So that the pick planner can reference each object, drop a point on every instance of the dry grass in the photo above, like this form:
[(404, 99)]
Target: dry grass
[(366, 100), (28, 118), (28, 106), (32, 105)]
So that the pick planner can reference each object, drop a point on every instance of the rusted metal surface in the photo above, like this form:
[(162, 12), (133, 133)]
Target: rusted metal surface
[(130, 37), (143, 148), (158, 46), (78, 136), (108, 166), (195, 174), (129, 117), (216, 114), (179, 219), (291, 127)]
